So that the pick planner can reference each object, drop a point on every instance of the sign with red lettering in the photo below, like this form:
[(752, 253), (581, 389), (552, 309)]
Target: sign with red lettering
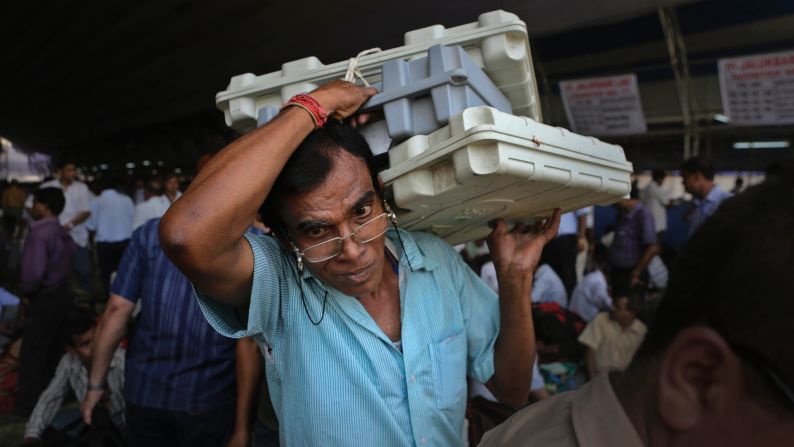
[(604, 106), (759, 89)]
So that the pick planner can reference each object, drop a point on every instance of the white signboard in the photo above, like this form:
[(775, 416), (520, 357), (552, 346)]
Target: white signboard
[(758, 90), (604, 106)]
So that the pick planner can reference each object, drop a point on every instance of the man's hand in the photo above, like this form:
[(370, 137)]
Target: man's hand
[(517, 252), (92, 398), (341, 99)]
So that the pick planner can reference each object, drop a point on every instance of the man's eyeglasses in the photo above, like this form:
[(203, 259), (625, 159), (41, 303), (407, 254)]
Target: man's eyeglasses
[(366, 232)]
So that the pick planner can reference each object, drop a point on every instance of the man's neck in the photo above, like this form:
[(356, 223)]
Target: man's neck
[(638, 409), (66, 183), (170, 196), (707, 190)]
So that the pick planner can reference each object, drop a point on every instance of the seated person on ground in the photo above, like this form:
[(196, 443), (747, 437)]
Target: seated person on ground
[(546, 284), (613, 337), (715, 368), (72, 373), (592, 294)]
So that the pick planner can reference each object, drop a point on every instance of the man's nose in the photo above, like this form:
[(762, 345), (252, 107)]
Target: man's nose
[(351, 249)]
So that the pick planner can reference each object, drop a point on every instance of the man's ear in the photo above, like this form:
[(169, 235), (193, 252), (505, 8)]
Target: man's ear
[(699, 374), (282, 238), (381, 187)]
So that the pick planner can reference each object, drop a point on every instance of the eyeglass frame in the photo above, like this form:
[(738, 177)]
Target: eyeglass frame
[(301, 253)]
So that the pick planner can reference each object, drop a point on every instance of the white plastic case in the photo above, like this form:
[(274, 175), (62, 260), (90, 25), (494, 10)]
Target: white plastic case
[(497, 42), (488, 164)]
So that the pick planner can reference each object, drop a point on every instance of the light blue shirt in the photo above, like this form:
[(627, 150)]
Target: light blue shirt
[(591, 296), (568, 221), (343, 382), (547, 287), (111, 216), (707, 207)]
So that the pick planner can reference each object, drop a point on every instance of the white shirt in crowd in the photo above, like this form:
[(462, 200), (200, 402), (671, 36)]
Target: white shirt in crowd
[(478, 389), (656, 198), (546, 285), (111, 216), (569, 222), (78, 200), (153, 208), (591, 296)]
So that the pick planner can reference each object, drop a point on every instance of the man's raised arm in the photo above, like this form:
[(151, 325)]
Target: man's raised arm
[(202, 232)]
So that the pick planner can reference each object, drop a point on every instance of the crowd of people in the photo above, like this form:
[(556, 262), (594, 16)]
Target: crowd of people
[(296, 311)]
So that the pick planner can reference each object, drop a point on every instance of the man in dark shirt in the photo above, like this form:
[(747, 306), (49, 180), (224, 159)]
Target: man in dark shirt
[(44, 274)]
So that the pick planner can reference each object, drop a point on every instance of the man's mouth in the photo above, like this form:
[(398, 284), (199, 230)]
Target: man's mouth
[(357, 276)]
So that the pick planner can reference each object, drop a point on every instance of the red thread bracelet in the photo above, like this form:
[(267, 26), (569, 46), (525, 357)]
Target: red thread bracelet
[(309, 104)]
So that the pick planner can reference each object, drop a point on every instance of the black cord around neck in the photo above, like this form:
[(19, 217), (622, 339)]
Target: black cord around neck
[(399, 238)]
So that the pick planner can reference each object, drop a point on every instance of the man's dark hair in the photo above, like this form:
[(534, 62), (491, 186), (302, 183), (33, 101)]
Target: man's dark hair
[(109, 182), (78, 321), (635, 191), (600, 259), (658, 174), (310, 164), (635, 299), (736, 275), (61, 163), (780, 167), (699, 165), (52, 198)]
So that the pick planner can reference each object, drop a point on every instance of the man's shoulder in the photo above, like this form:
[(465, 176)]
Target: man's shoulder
[(544, 423), (148, 231), (54, 183), (431, 246), (601, 319)]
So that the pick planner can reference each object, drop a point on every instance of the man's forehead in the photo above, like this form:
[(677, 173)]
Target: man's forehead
[(346, 186)]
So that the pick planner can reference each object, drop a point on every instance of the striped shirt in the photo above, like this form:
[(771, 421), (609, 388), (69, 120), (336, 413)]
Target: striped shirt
[(72, 373), (343, 382), (175, 361)]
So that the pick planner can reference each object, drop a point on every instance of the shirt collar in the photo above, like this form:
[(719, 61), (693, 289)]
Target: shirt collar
[(714, 194), (598, 417), (412, 253), (43, 222)]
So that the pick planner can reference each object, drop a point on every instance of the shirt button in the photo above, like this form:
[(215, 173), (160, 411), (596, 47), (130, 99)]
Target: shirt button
[(412, 378), (423, 440)]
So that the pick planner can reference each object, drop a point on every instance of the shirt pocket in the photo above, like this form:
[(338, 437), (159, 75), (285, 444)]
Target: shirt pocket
[(449, 372)]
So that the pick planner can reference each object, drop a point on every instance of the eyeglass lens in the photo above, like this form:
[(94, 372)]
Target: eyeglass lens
[(362, 234)]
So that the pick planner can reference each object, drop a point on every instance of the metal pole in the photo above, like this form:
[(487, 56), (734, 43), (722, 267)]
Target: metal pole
[(676, 48)]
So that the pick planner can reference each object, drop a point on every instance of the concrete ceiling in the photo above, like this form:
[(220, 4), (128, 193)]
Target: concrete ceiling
[(108, 80)]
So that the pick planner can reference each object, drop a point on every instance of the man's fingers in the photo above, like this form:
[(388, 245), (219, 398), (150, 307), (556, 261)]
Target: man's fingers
[(87, 417), (499, 228), (552, 225)]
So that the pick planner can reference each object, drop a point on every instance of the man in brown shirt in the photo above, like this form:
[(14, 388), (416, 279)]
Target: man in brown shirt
[(716, 367)]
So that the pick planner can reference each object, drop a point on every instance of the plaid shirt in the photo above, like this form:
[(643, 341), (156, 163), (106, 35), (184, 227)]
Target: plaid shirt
[(635, 230), (175, 360)]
